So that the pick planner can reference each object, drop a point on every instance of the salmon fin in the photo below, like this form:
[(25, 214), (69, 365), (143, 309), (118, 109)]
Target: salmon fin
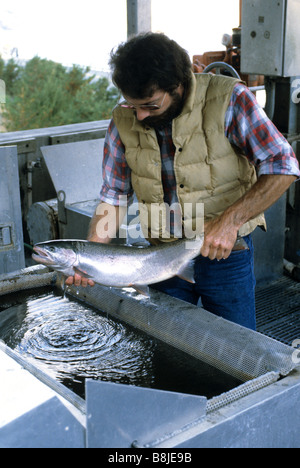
[(141, 288), (186, 272), (81, 272)]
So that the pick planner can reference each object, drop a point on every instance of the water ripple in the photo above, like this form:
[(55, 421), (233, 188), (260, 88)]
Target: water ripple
[(71, 341)]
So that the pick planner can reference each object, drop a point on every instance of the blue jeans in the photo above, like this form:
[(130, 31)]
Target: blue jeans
[(226, 287)]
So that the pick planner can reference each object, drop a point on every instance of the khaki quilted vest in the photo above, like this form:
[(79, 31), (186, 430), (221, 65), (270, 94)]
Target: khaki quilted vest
[(208, 169)]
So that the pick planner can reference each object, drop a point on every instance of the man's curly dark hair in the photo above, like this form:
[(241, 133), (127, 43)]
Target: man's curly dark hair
[(148, 62)]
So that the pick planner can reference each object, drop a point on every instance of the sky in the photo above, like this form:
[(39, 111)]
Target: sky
[(84, 32)]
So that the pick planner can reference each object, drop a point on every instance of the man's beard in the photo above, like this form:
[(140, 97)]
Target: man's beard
[(162, 120)]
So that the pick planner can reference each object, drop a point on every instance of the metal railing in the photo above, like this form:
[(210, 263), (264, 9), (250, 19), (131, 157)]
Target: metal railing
[(35, 182)]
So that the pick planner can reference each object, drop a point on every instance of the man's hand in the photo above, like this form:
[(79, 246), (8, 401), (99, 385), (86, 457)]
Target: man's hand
[(220, 234), (79, 280), (219, 239)]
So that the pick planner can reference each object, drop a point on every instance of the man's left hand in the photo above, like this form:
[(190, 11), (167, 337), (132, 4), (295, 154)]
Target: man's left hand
[(219, 239)]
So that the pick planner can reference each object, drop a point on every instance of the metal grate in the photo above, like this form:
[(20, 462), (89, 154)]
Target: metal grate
[(278, 310)]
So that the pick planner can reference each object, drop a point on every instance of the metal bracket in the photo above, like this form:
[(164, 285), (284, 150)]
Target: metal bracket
[(75, 137), (62, 212), (6, 236), (24, 146)]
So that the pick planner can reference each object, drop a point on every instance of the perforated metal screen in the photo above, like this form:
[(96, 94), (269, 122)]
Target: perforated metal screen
[(240, 352), (278, 310)]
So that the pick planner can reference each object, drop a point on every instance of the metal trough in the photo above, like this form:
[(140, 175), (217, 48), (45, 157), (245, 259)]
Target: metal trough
[(37, 411)]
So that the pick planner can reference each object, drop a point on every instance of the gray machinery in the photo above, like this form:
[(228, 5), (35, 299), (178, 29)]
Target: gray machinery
[(76, 173), (11, 233)]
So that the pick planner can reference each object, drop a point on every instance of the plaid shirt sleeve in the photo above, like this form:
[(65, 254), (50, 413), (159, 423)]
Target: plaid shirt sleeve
[(116, 188), (248, 127)]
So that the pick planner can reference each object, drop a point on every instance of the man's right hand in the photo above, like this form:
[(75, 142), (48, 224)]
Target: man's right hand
[(79, 280)]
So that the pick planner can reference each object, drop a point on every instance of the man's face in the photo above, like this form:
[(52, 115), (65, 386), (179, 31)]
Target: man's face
[(168, 107)]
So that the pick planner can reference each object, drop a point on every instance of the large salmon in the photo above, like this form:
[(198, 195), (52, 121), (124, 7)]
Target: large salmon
[(118, 265)]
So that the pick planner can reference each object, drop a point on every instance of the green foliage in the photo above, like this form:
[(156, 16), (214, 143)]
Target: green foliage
[(46, 94), (9, 73)]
